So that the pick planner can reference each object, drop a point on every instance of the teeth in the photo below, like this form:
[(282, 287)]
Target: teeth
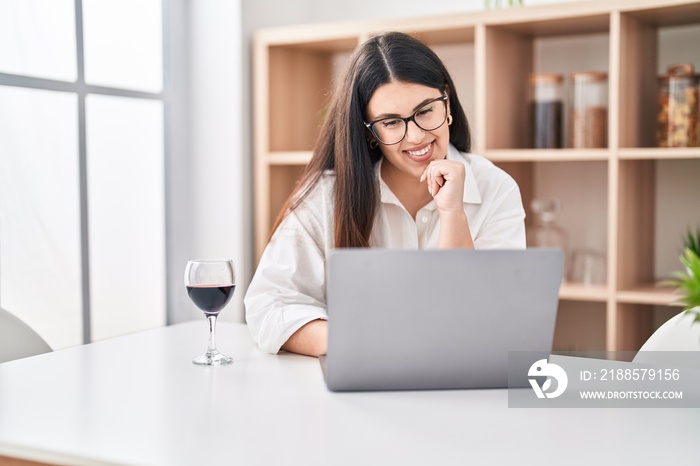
[(420, 152)]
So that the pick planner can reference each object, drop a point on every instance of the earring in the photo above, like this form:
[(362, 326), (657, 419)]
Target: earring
[(373, 144), (449, 119)]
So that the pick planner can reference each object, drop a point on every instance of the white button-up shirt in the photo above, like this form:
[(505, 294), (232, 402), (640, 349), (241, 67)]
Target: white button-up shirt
[(288, 289)]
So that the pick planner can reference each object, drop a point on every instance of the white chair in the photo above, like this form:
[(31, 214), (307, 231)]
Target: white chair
[(17, 339)]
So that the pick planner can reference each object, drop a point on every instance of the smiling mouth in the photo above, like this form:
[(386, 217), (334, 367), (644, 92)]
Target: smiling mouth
[(420, 154)]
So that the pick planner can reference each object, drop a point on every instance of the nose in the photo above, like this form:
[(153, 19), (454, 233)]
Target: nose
[(414, 134)]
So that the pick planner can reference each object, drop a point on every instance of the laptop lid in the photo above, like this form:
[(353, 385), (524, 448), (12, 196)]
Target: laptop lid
[(437, 319)]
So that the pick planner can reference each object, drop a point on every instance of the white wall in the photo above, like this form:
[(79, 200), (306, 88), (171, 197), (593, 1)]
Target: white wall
[(218, 186)]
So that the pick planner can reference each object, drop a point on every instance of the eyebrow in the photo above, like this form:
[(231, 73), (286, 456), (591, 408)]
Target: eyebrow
[(382, 116)]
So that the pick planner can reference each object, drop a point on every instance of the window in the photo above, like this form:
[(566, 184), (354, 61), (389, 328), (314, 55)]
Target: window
[(82, 154)]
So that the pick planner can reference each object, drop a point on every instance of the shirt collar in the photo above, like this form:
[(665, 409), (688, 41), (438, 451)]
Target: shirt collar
[(471, 191)]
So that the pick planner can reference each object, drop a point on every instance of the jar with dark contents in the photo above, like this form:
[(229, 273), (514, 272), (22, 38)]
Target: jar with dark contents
[(545, 111), (677, 122), (588, 123)]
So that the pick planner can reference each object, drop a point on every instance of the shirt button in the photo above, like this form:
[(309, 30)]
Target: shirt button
[(424, 219)]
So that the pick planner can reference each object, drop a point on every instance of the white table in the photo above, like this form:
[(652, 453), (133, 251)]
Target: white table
[(138, 400)]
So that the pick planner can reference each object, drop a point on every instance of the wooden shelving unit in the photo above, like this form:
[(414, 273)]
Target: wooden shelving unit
[(490, 55)]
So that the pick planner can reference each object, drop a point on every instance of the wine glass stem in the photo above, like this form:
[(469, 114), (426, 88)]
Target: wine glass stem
[(212, 334)]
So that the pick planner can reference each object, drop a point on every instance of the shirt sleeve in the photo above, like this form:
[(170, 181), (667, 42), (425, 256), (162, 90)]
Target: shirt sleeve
[(288, 288), (505, 226)]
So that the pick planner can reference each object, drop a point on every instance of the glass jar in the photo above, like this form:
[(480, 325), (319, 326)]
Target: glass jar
[(588, 123), (545, 107), (588, 267), (546, 232), (678, 114)]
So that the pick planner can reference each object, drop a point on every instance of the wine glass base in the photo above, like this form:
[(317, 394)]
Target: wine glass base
[(213, 358)]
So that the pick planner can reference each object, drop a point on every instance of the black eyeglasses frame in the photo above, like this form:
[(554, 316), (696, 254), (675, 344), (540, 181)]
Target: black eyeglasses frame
[(370, 125)]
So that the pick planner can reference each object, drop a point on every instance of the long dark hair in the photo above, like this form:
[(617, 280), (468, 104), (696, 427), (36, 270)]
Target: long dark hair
[(343, 142)]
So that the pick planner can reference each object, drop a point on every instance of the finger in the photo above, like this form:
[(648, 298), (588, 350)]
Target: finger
[(438, 176), (436, 186), (441, 171)]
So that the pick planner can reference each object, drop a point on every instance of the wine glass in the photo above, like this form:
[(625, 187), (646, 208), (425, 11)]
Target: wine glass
[(210, 285)]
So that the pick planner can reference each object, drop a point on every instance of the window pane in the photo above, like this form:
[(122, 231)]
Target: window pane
[(40, 279), (125, 214), (124, 43), (37, 38)]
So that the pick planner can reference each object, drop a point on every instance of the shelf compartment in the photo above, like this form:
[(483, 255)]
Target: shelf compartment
[(513, 51), (582, 188), (657, 204), (301, 80), (651, 40), (580, 326), (677, 194), (634, 324)]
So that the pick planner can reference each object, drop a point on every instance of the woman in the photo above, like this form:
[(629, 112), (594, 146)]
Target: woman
[(391, 169)]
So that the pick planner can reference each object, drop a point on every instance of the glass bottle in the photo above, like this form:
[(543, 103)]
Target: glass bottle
[(546, 232), (589, 110), (545, 107), (679, 112)]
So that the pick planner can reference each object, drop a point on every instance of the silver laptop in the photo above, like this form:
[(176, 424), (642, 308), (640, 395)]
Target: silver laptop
[(437, 319)]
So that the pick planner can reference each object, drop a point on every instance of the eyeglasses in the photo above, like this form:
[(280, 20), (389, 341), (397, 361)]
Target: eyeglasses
[(392, 130)]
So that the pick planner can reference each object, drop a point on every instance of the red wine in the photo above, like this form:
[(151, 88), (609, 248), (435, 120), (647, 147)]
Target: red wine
[(211, 298)]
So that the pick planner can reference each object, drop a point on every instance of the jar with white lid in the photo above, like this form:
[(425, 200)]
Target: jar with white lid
[(545, 111), (588, 122)]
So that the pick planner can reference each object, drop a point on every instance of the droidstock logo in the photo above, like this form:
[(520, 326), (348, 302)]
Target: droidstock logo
[(552, 371)]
